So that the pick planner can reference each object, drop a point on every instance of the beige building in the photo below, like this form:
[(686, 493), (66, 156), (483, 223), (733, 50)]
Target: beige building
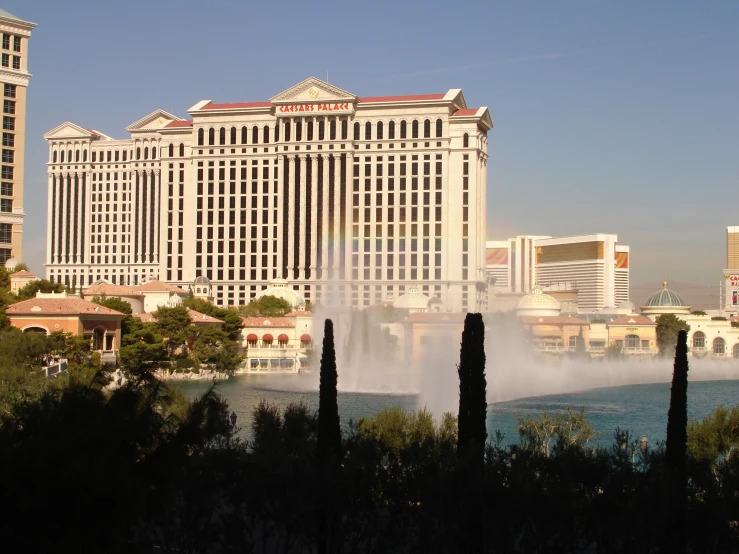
[(352, 199), (14, 77), (277, 344), (731, 273)]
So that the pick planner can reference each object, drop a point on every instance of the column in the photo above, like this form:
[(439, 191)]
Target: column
[(157, 216), (324, 232), (290, 217), (64, 219), (50, 220), (314, 263), (78, 223), (137, 218), (154, 216), (337, 217), (302, 243)]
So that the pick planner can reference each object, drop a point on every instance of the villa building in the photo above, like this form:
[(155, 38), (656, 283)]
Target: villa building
[(351, 198), (277, 344)]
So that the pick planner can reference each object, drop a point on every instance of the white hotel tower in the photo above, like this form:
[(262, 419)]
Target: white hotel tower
[(351, 199)]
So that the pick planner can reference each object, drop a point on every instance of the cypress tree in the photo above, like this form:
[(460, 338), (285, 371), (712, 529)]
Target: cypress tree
[(472, 432), (677, 416), (329, 430)]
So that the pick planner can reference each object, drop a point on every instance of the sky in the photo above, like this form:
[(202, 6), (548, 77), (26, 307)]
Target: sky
[(609, 116)]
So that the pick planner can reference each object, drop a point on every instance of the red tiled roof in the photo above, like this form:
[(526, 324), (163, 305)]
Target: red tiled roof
[(299, 314), (159, 286), (552, 320), (112, 290), (59, 306), (261, 322), (22, 273), (237, 105), (408, 98), (187, 123), (633, 320), (466, 112)]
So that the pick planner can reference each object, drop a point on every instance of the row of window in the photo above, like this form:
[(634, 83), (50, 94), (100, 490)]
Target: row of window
[(16, 40), (6, 61), (9, 90)]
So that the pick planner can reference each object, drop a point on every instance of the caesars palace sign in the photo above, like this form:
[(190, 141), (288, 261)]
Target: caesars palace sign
[(318, 108)]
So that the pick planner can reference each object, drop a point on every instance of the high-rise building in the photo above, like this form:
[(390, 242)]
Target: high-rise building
[(731, 272), (14, 77), (596, 266), (352, 199)]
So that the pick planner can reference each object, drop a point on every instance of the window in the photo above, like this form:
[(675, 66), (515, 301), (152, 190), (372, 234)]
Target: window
[(6, 232), (8, 156), (391, 130), (9, 140), (84, 155), (368, 131), (146, 153), (403, 129), (201, 137), (182, 150), (138, 153), (465, 141), (233, 135), (9, 106), (719, 346), (16, 62), (439, 126), (632, 342), (356, 131), (255, 135), (699, 340), (573, 341), (222, 136), (414, 129), (6, 42), (211, 136), (16, 44), (8, 123), (6, 189), (265, 134), (6, 60), (6, 172), (10, 91), (171, 150), (427, 128), (6, 205)]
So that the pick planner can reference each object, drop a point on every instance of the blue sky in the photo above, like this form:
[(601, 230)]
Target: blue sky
[(616, 117)]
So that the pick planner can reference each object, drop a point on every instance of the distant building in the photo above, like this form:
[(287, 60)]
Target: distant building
[(665, 301), (143, 298), (731, 273), (14, 78), (277, 344), (20, 279)]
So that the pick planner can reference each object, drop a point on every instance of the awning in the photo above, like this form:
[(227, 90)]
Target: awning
[(305, 338), (283, 337), (267, 337), (252, 337)]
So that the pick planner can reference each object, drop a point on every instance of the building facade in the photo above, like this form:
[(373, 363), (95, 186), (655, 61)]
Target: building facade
[(14, 77), (352, 199), (595, 266), (731, 273)]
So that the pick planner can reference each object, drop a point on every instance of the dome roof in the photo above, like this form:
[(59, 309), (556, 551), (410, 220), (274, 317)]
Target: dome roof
[(538, 303), (280, 289), (201, 280), (11, 263), (665, 298), (412, 300)]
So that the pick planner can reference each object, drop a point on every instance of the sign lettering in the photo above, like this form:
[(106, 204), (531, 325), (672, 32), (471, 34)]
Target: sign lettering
[(343, 107)]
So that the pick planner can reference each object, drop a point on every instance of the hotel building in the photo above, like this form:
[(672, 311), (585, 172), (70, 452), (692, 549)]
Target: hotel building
[(596, 266), (731, 273), (14, 77), (352, 199)]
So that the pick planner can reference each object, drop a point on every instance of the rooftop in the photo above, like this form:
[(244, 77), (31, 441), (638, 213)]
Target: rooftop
[(275, 322), (62, 305), (159, 286)]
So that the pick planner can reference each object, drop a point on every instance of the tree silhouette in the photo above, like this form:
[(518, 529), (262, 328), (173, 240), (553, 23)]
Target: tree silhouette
[(329, 430), (472, 386)]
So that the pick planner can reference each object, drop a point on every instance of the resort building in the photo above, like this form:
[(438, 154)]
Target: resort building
[(352, 199), (146, 297), (277, 344), (14, 77), (731, 273), (595, 267)]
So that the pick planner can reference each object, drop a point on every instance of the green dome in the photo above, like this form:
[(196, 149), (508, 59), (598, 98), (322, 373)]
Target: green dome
[(666, 298)]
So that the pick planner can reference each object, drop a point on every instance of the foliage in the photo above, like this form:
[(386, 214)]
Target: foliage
[(677, 416), (213, 346), (556, 433), (42, 285), (20, 267), (698, 312), (266, 306), (718, 318), (714, 437), (231, 317), (668, 326), (472, 386), (329, 426)]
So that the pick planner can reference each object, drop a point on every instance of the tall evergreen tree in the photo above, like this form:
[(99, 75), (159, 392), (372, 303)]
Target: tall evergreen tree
[(677, 416), (472, 387), (329, 430)]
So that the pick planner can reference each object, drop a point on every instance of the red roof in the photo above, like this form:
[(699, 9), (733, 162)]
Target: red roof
[(465, 112), (100, 289), (187, 123), (631, 320), (303, 313), (47, 307), (237, 105), (159, 286), (408, 98)]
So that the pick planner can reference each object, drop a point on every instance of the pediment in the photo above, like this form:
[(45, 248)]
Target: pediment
[(69, 130), (313, 90), (486, 119), (152, 122)]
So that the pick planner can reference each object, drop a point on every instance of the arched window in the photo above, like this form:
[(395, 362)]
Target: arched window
[(298, 131), (368, 131), (182, 150), (439, 128), (736, 351), (222, 136), (62, 156), (309, 131), (69, 156), (171, 150), (233, 135), (138, 153), (699, 340), (321, 130), (287, 131), (332, 130), (356, 130), (427, 128), (344, 129), (84, 155), (391, 130), (94, 157), (719, 346), (403, 129), (211, 136), (465, 141), (153, 152), (277, 133), (125, 154), (53, 157), (201, 137), (115, 155), (379, 130), (108, 154), (244, 134), (76, 155), (146, 153), (265, 134), (632, 342), (414, 129), (255, 135)]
